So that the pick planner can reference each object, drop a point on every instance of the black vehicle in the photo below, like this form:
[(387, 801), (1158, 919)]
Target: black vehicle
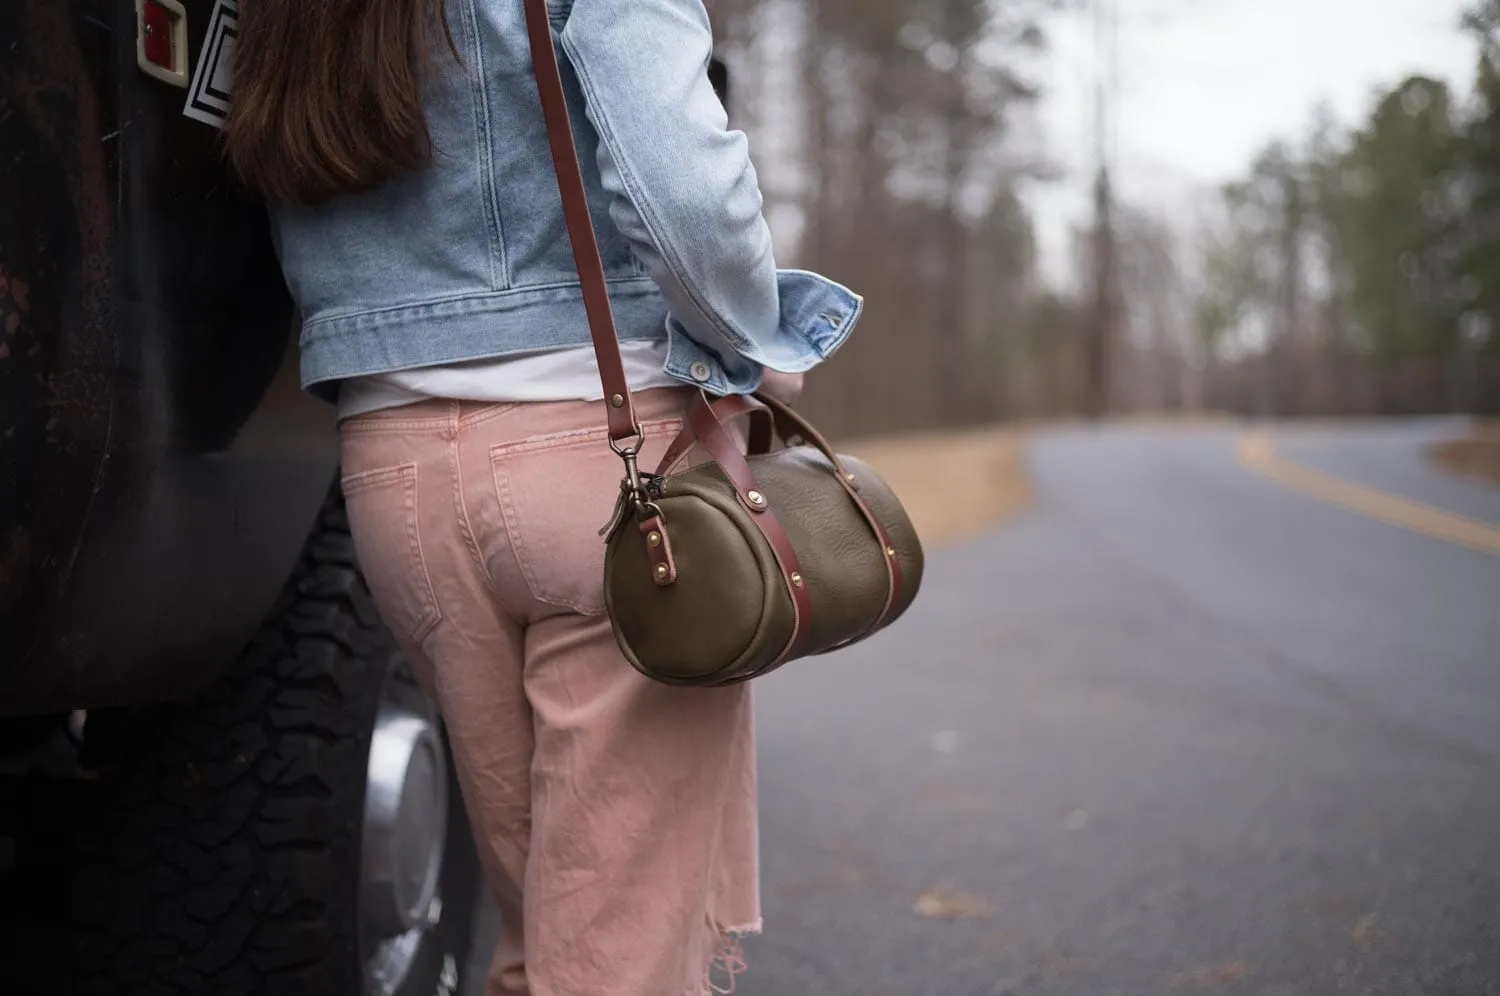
[(216, 773)]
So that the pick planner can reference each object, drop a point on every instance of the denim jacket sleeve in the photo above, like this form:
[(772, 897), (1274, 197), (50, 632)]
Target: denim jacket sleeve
[(684, 193)]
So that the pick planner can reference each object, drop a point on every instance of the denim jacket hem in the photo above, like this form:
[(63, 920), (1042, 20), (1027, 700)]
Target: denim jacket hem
[(817, 316)]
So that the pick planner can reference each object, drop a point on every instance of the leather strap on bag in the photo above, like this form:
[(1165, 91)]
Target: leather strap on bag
[(759, 440), (724, 448), (622, 420), (789, 424)]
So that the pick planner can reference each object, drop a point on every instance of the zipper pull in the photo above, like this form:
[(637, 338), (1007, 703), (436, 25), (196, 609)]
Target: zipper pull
[(622, 506)]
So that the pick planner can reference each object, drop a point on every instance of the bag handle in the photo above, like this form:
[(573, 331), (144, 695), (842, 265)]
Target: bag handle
[(623, 424)]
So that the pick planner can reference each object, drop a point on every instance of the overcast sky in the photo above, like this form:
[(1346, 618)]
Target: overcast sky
[(1204, 84)]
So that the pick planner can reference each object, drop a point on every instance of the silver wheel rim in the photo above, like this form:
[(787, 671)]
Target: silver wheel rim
[(402, 842)]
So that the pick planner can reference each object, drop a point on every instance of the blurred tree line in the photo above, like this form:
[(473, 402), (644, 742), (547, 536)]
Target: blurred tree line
[(883, 136), (1356, 271), (1359, 272)]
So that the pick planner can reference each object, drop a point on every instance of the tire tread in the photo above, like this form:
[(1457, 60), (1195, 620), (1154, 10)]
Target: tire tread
[(213, 866)]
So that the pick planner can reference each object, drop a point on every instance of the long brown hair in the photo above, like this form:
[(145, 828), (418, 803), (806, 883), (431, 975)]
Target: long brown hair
[(328, 95)]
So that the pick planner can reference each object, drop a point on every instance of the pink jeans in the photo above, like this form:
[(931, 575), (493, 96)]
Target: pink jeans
[(615, 817)]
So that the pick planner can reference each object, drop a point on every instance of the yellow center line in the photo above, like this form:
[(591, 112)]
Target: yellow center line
[(1257, 454)]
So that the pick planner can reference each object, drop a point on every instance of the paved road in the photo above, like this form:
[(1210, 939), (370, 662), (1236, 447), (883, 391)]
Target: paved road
[(1177, 729), (1389, 456)]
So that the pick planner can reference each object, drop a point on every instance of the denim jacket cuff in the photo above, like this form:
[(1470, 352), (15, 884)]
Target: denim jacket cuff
[(817, 316)]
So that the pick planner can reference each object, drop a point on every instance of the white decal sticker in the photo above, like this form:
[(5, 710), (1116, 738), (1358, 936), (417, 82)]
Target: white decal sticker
[(208, 94)]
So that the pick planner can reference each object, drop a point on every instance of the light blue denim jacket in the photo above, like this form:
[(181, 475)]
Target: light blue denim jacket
[(469, 258)]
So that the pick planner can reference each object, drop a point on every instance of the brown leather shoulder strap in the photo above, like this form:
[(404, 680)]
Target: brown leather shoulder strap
[(622, 420)]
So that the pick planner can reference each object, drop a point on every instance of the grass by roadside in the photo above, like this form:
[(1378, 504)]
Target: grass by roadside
[(954, 483), (1476, 455)]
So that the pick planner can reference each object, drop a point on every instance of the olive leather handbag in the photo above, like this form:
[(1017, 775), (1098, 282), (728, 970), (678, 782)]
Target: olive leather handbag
[(761, 555)]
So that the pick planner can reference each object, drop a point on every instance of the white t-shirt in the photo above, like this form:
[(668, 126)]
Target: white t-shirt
[(570, 374)]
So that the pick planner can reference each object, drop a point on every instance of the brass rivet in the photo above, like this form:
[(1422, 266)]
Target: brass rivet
[(661, 571), (755, 498), (617, 400), (890, 551), (849, 478), (796, 579), (654, 539)]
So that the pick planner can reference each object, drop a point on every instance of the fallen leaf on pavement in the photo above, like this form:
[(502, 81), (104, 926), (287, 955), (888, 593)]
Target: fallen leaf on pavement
[(946, 905), (1366, 933), (1211, 978)]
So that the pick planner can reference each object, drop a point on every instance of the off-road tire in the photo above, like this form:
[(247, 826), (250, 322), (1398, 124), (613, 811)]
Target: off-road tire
[(219, 849)]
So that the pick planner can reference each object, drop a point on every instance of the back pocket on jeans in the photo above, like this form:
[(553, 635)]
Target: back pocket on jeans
[(382, 508), (555, 493)]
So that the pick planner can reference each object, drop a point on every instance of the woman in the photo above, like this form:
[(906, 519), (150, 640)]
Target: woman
[(417, 217)]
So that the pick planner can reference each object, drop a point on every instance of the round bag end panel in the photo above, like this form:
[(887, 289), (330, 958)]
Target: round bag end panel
[(705, 622)]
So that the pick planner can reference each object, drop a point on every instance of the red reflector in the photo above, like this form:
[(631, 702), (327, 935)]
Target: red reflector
[(158, 28)]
